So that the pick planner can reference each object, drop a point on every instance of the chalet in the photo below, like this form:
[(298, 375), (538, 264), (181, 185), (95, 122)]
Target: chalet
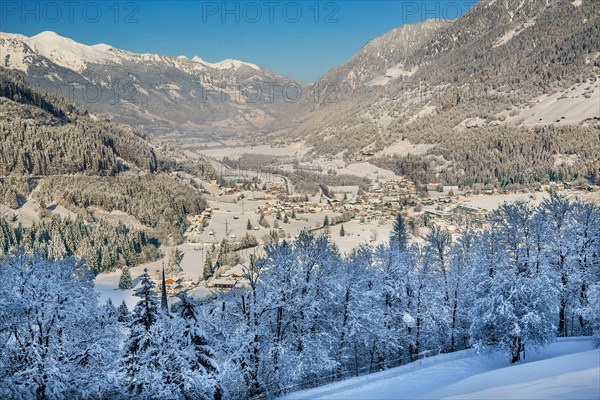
[(439, 214), (223, 283), (475, 214), (173, 288)]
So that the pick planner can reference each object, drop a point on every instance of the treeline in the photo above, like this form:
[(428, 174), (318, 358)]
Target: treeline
[(156, 200), (503, 156), (304, 180), (103, 246), (309, 316)]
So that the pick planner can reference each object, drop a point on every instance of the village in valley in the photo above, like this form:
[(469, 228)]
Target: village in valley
[(250, 209)]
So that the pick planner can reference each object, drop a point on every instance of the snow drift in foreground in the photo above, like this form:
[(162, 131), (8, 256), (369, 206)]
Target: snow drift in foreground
[(567, 369)]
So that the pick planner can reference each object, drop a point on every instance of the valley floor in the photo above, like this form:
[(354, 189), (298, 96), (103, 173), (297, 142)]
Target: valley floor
[(567, 369)]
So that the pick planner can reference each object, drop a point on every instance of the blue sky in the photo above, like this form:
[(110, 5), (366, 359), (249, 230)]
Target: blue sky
[(298, 39)]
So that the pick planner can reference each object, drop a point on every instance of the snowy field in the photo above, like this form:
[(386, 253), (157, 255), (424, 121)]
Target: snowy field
[(567, 369), (492, 202), (565, 107), (295, 150)]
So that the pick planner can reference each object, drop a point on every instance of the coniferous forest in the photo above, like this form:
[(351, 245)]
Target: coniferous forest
[(308, 316)]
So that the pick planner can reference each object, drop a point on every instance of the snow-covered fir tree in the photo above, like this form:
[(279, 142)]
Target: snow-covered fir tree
[(140, 340), (57, 342), (125, 279)]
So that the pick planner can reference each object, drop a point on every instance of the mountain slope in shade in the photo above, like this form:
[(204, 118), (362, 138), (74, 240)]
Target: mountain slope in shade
[(161, 93), (55, 153)]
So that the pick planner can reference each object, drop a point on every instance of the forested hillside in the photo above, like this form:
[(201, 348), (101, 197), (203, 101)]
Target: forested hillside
[(60, 154), (44, 135), (503, 156), (157, 201), (103, 246)]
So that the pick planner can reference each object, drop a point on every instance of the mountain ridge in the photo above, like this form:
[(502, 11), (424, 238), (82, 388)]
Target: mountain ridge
[(162, 94), (49, 42)]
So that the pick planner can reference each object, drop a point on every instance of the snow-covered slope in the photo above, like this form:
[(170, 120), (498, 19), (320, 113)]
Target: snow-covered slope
[(161, 93), (382, 59), (567, 369)]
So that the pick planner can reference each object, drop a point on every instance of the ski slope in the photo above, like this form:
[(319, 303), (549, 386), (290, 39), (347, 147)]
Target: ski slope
[(567, 369)]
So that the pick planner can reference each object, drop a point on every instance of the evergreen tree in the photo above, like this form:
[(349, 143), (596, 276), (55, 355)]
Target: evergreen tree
[(163, 293), (249, 226), (110, 310), (174, 263), (263, 222), (342, 231), (123, 312), (399, 235), (326, 221), (125, 280), (202, 356), (143, 317), (208, 270)]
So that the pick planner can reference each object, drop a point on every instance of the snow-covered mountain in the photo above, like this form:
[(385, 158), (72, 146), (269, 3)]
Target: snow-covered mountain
[(516, 62), (487, 68), (160, 93), (383, 58), (76, 56)]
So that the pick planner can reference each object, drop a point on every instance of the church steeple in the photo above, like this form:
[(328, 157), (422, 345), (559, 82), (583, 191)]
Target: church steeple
[(163, 291)]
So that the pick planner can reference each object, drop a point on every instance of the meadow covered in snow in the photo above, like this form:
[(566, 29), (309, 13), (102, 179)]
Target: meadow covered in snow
[(566, 369)]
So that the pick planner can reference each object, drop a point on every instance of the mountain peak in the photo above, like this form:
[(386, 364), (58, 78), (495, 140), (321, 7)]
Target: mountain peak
[(235, 64), (49, 34)]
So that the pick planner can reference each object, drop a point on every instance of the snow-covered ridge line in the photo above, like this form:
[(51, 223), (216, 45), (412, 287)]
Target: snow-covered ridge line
[(74, 55)]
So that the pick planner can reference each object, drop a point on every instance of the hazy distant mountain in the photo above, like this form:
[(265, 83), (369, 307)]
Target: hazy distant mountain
[(160, 93)]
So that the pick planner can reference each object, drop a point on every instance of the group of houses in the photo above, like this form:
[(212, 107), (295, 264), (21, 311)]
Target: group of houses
[(227, 280)]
